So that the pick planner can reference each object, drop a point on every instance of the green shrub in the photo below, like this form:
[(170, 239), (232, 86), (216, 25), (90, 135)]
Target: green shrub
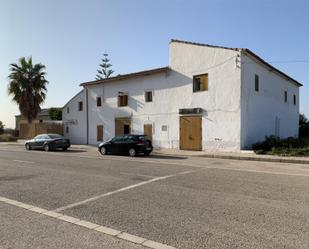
[(283, 147)]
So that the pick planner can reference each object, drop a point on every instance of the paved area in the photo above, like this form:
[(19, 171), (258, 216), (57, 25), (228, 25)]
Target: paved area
[(181, 201)]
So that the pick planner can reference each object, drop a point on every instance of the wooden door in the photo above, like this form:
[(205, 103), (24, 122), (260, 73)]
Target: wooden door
[(100, 133), (190, 133), (122, 126), (148, 131)]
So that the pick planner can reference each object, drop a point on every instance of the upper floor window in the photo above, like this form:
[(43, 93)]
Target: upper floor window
[(285, 96), (68, 109), (99, 101), (256, 83), (294, 99), (80, 105), (200, 82), (148, 96), (122, 99)]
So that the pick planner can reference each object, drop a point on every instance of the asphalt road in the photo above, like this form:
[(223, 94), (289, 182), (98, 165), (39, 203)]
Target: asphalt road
[(182, 202)]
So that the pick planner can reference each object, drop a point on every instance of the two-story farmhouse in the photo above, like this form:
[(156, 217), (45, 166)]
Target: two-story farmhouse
[(209, 97)]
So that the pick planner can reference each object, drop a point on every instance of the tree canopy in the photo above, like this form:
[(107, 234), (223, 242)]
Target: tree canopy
[(28, 86), (55, 113), (105, 70)]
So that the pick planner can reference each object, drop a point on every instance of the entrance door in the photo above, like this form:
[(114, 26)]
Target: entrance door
[(190, 133), (122, 126), (148, 131), (99, 133)]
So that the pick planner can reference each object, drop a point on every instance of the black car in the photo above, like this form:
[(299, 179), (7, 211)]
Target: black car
[(127, 144), (48, 142)]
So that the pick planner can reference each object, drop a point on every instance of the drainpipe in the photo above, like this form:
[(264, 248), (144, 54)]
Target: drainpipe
[(87, 116)]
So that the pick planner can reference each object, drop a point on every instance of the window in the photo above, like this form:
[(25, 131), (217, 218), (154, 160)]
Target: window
[(148, 96), (123, 100), (200, 83), (68, 109), (294, 99), (99, 101), (80, 106), (285, 96), (126, 129), (164, 128), (256, 83), (67, 129), (41, 121)]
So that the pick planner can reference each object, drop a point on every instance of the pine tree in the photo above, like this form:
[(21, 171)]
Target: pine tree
[(105, 70)]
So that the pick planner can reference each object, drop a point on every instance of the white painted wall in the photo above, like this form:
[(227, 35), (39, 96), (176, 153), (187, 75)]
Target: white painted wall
[(77, 132), (235, 116), (172, 91), (260, 110)]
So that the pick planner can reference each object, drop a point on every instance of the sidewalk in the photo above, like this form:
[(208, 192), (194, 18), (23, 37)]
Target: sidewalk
[(242, 155)]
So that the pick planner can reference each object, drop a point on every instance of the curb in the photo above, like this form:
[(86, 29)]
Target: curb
[(243, 158)]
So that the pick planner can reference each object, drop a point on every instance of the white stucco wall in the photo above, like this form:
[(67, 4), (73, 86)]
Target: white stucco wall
[(172, 91), (78, 128), (264, 112)]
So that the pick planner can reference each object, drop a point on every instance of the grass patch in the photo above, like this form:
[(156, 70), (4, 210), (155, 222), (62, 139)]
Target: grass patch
[(7, 138), (282, 147)]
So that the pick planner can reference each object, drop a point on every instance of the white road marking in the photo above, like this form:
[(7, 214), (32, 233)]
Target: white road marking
[(132, 174), (89, 225), (22, 161), (120, 190)]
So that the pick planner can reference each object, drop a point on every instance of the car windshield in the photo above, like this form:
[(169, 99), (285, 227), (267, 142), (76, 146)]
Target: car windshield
[(55, 136)]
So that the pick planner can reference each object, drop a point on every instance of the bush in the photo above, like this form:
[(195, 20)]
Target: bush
[(7, 138), (288, 146)]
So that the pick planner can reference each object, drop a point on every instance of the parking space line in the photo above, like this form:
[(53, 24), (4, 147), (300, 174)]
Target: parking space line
[(121, 190), (89, 225), (132, 174), (22, 161)]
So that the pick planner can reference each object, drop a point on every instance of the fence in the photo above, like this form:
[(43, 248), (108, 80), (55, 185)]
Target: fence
[(30, 130)]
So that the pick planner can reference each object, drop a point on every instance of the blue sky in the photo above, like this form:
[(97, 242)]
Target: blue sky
[(69, 37)]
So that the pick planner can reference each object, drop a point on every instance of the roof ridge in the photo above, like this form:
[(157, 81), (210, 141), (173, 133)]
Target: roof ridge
[(204, 44)]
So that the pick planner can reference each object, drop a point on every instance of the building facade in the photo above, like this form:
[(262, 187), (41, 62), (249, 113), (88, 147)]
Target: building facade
[(208, 98)]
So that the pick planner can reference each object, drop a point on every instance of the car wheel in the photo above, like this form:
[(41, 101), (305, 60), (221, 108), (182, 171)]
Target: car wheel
[(103, 151), (46, 147), (28, 147), (147, 153), (132, 152)]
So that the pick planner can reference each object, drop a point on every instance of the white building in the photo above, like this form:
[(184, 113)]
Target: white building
[(208, 98)]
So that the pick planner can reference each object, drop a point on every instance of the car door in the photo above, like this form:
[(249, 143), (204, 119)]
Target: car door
[(115, 146), (34, 143)]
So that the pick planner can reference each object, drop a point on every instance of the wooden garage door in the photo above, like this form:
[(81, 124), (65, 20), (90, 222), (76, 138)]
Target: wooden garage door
[(190, 133), (148, 131), (100, 133), (122, 126)]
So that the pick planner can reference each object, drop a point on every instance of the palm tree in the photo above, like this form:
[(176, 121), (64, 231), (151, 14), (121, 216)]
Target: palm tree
[(27, 85)]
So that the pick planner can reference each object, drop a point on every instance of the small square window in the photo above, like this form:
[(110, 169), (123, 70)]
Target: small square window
[(80, 106), (285, 96), (41, 121), (200, 83), (68, 109), (164, 128), (256, 83), (294, 99), (148, 96), (123, 100), (99, 101)]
